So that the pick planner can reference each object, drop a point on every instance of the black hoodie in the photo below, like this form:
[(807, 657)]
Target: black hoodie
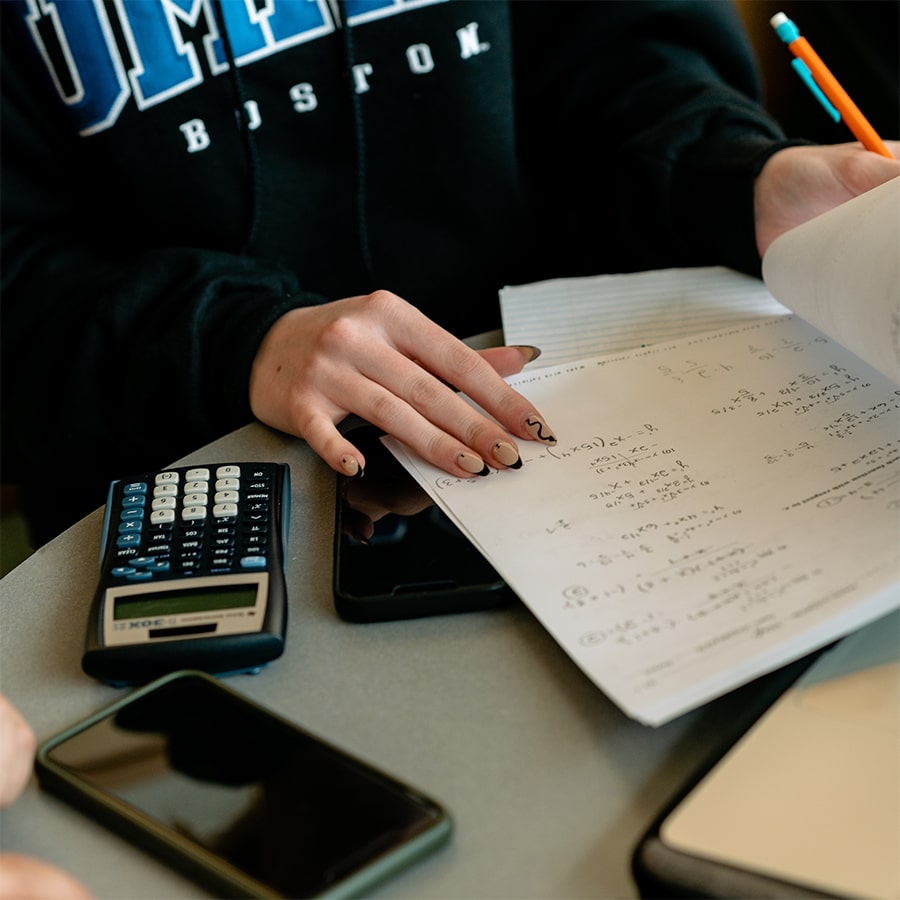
[(178, 175)]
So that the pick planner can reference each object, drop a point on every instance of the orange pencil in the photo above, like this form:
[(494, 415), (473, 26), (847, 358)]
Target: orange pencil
[(825, 87)]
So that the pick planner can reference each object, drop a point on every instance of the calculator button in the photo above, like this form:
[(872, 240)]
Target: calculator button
[(162, 516), (122, 571), (192, 513), (228, 472), (163, 503), (130, 525), (160, 565), (253, 562), (134, 500), (128, 540), (225, 509), (195, 500), (226, 497), (167, 478), (165, 490), (197, 475), (140, 575), (132, 512), (196, 487), (228, 484), (141, 562), (134, 487)]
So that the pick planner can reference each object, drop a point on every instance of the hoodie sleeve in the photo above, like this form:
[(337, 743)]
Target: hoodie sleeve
[(116, 355), (648, 151)]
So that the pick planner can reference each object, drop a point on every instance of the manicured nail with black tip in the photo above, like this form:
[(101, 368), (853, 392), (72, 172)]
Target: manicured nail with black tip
[(472, 463), (539, 430), (507, 455), (350, 465), (530, 352)]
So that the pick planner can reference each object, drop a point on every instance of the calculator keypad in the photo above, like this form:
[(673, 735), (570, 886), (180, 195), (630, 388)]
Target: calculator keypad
[(193, 521)]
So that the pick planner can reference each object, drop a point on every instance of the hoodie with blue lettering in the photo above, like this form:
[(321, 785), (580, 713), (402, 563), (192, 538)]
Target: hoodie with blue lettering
[(177, 175)]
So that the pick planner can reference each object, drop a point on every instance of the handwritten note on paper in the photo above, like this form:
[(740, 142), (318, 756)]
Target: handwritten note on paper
[(715, 507)]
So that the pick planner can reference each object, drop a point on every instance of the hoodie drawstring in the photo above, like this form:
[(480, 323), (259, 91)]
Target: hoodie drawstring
[(359, 135), (247, 139)]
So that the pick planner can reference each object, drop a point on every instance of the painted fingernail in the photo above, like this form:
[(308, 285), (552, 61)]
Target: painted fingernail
[(506, 454), (539, 430), (351, 466), (530, 352), (472, 463)]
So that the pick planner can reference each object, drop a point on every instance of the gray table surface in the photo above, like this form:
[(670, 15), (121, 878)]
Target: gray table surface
[(549, 784)]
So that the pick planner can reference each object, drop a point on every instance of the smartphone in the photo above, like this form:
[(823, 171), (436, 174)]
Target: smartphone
[(245, 802), (396, 554)]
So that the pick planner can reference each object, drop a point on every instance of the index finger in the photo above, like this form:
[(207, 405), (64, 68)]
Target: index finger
[(466, 370)]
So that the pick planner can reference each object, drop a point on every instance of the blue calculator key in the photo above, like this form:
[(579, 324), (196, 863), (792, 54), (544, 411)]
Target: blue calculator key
[(128, 540), (141, 562), (134, 500), (253, 562), (140, 575), (160, 565), (129, 526), (132, 512), (122, 571), (134, 487)]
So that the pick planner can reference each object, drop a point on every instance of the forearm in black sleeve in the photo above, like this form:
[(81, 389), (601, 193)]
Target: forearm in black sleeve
[(655, 135), (113, 365)]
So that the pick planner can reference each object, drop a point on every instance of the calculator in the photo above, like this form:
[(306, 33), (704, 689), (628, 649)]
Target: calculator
[(192, 573)]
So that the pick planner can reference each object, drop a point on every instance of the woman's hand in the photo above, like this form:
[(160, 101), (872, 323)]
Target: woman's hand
[(17, 745), (23, 877), (379, 357), (799, 183), (26, 878)]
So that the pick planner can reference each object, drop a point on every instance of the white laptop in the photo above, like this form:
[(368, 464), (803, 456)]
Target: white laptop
[(807, 802)]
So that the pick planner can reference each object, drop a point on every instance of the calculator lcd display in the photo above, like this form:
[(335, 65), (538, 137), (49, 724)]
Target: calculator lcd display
[(173, 603)]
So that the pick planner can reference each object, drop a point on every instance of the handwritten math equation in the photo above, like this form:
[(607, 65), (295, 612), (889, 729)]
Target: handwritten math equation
[(798, 396), (745, 594), (691, 370), (879, 481)]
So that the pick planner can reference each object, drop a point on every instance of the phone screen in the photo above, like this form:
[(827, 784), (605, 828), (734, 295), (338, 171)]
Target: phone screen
[(397, 555), (295, 814)]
